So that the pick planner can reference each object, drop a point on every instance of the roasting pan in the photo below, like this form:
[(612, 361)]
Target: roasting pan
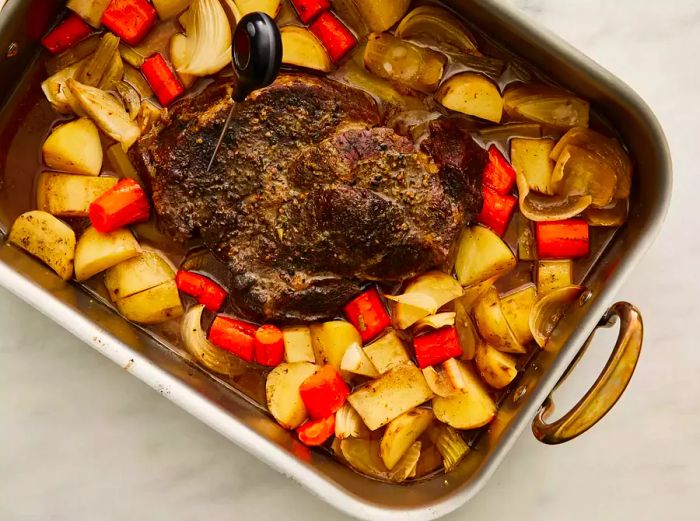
[(23, 22)]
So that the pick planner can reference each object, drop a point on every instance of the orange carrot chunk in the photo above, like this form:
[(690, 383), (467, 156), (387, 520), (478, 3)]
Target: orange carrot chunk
[(235, 336), (324, 392), (205, 290), (562, 239), (125, 203), (335, 37), (269, 345), (436, 347), (497, 210), (315, 432), (367, 313), (69, 32), (498, 174), (129, 19)]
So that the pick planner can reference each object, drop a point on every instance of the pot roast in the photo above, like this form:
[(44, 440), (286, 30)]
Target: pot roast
[(309, 197)]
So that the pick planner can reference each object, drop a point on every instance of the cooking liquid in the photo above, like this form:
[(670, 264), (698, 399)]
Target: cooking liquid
[(29, 118)]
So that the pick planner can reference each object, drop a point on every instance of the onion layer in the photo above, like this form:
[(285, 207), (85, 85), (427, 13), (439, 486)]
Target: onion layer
[(549, 310), (208, 39)]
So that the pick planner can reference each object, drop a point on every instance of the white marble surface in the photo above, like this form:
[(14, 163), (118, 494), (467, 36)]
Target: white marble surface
[(80, 439)]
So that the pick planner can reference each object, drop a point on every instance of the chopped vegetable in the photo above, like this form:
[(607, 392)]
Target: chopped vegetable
[(282, 391), (348, 424), (482, 255), (405, 63), (235, 336), (96, 252), (496, 368), (473, 94), (516, 307), (331, 339), (50, 240), (498, 173), (611, 215), (195, 340), (301, 48), (335, 37), (69, 32), (130, 97), (98, 66), (134, 78), (129, 19), (269, 7), (355, 360), (554, 274), (66, 195), (547, 105), (180, 57), (74, 147), (469, 409), (269, 345), (298, 345), (423, 296), (152, 306), (526, 239), (380, 16), (205, 290), (466, 332), (130, 56), (316, 432), (395, 392), (208, 38), (562, 239), (121, 164), (324, 392), (497, 210), (387, 352), (401, 433), (438, 382), (549, 310), (106, 112), (308, 10), (449, 444), (437, 25), (436, 321), (436, 347), (56, 90), (368, 314), (162, 79), (89, 10), (123, 204), (137, 274), (492, 324)]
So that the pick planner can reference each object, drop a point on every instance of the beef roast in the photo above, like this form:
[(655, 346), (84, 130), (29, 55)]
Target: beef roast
[(308, 198)]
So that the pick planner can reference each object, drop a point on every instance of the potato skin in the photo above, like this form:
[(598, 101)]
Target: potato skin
[(47, 238), (153, 305), (96, 252), (69, 195), (74, 147)]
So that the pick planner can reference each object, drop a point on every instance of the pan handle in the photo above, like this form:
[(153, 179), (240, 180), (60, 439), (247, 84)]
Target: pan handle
[(606, 390)]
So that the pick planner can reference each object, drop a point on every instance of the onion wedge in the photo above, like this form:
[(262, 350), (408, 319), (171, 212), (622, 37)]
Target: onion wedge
[(537, 207), (549, 310), (434, 322), (197, 344), (208, 39)]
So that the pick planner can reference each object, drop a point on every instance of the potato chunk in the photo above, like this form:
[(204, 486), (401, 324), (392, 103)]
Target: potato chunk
[(67, 195), (530, 158), (473, 94), (481, 255), (74, 147), (331, 339), (394, 393), (387, 352), (380, 16), (153, 305), (47, 238), (301, 48), (469, 409), (96, 252), (282, 390), (496, 369), (137, 274), (401, 433)]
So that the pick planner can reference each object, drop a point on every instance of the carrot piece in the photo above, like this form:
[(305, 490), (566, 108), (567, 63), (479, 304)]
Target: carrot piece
[(498, 174), (162, 79), (129, 19), (124, 203), (497, 210), (205, 290), (310, 9), (335, 37), (436, 347), (315, 432), (269, 345), (367, 313), (233, 335), (69, 32), (562, 239), (324, 392)]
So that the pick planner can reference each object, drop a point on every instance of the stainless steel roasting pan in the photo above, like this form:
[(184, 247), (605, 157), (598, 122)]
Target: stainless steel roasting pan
[(22, 22)]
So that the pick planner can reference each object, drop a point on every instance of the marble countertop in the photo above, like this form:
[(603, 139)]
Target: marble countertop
[(83, 440)]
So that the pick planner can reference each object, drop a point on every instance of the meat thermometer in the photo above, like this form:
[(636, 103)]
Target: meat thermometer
[(256, 52)]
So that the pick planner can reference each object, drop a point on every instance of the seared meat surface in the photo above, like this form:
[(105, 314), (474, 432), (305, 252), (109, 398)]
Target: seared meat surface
[(308, 198)]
